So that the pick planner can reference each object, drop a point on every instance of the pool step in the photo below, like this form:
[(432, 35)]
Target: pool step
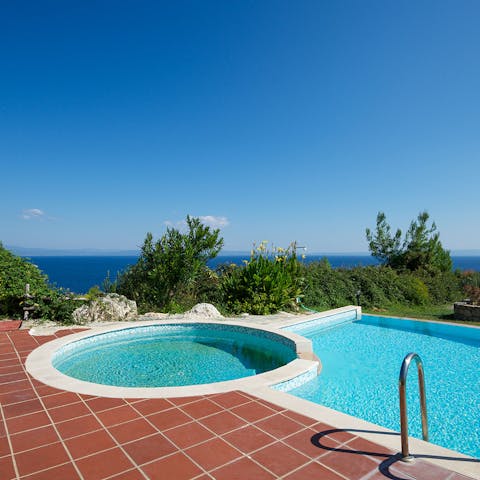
[(322, 324)]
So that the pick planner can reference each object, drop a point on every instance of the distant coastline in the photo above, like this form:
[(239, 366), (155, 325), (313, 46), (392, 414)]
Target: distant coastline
[(98, 252), (80, 272)]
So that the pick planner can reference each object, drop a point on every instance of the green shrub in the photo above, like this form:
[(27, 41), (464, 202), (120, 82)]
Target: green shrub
[(443, 287), (375, 290), (414, 291), (49, 303), (170, 272), (267, 283), (325, 287), (57, 306), (379, 286), (15, 273), (93, 293)]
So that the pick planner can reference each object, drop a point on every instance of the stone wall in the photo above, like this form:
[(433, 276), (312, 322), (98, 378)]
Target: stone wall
[(466, 311)]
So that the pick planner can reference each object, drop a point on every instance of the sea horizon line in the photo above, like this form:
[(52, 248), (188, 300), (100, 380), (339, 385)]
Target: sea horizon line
[(39, 252)]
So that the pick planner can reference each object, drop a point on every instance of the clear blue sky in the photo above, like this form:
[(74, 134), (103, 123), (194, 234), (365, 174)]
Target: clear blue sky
[(281, 120)]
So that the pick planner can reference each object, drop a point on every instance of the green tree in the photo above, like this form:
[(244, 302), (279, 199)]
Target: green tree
[(49, 302), (421, 248), (383, 245), (169, 270)]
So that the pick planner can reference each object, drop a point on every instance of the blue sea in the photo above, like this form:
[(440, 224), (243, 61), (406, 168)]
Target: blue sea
[(79, 273)]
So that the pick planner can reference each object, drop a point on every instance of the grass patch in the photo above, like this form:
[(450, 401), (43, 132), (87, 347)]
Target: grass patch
[(422, 312)]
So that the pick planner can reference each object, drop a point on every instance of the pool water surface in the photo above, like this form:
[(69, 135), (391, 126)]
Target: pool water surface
[(173, 355), (361, 363)]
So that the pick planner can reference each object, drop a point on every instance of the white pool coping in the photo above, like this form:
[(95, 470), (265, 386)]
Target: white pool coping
[(39, 365)]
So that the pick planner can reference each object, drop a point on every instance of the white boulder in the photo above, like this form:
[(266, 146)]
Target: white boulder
[(203, 311), (109, 308)]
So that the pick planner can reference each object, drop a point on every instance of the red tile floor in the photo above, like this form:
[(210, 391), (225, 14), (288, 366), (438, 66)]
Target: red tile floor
[(47, 433)]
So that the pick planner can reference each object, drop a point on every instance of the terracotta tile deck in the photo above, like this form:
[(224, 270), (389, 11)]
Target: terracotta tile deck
[(51, 434), (9, 325)]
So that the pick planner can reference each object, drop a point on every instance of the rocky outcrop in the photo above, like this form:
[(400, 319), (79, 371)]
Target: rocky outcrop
[(110, 308)]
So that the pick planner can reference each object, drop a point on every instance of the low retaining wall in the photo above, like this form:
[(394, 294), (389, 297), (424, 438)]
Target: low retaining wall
[(466, 311)]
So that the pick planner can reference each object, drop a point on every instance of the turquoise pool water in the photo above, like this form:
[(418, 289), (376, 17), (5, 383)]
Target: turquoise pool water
[(173, 355), (361, 363)]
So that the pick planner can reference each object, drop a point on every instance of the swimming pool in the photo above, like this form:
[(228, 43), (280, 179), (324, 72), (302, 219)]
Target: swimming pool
[(173, 355), (361, 362), (174, 359)]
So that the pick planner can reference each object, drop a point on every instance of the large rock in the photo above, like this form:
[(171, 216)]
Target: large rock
[(110, 308), (203, 311), (154, 316)]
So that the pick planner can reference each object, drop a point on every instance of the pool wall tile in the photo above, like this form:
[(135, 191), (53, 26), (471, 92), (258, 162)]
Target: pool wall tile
[(297, 381), (323, 322)]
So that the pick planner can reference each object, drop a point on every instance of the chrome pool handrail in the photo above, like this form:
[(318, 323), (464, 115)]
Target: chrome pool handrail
[(402, 382)]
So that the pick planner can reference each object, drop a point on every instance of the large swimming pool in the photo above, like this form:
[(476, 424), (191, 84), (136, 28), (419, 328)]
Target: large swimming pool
[(361, 363)]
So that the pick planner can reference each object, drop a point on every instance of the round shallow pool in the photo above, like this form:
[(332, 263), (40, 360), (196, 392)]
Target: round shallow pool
[(174, 359), (173, 355)]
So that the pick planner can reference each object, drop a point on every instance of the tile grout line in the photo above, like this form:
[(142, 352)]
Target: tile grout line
[(15, 381), (15, 468), (249, 423), (311, 458), (371, 457), (405, 475), (50, 418), (229, 409), (53, 443), (215, 435), (37, 411), (44, 470), (9, 373), (134, 463), (316, 459), (181, 450), (243, 455), (346, 444), (115, 475), (309, 463), (43, 426)]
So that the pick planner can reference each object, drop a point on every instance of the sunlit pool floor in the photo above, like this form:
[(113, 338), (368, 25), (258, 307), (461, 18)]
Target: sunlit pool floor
[(46, 433)]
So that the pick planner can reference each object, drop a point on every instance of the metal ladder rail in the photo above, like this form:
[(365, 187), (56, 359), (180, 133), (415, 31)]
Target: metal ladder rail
[(402, 383)]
